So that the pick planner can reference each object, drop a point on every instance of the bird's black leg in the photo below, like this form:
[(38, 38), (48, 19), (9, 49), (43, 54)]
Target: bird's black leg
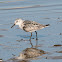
[(36, 35), (31, 36)]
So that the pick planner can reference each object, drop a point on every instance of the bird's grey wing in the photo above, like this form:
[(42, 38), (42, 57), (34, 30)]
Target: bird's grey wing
[(32, 26), (33, 23), (27, 22)]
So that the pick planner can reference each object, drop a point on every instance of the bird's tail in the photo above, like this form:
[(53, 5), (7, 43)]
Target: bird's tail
[(47, 25)]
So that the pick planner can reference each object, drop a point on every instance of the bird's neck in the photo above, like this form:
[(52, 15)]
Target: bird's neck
[(21, 25)]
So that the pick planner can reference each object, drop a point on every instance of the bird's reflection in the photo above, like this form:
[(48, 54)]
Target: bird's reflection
[(1, 60), (27, 55), (30, 53), (31, 42)]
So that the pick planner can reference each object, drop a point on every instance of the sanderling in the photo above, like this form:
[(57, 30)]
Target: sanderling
[(29, 26)]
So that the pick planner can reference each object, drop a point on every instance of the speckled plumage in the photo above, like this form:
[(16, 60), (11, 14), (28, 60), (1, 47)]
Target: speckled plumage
[(29, 26)]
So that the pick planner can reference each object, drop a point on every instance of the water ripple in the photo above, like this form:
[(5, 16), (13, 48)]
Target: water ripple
[(10, 1), (3, 29), (21, 7), (32, 6)]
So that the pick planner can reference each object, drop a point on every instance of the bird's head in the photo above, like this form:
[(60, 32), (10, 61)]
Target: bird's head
[(17, 22)]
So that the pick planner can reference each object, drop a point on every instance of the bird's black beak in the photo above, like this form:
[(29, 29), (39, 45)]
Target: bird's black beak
[(13, 25)]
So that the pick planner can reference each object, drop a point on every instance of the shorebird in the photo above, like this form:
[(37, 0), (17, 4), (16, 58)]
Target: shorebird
[(29, 26)]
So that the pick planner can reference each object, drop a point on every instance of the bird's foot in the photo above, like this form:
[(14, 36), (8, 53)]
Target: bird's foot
[(36, 38)]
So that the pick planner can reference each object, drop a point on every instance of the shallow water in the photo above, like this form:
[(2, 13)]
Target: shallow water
[(42, 11)]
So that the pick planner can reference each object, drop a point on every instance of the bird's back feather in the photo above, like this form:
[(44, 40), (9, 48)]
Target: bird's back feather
[(30, 26)]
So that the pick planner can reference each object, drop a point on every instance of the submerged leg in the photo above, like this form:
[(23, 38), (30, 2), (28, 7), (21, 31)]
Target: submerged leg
[(31, 36), (30, 40), (36, 35)]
